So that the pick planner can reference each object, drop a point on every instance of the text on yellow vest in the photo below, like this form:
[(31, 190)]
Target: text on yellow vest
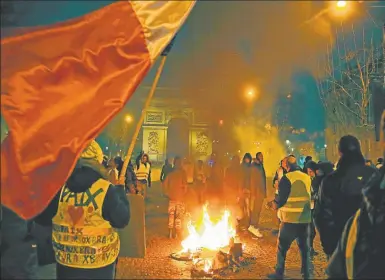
[(297, 208), (351, 245), (81, 237), (143, 171)]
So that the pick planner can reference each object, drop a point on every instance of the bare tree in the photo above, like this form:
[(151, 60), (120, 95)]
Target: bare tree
[(345, 84)]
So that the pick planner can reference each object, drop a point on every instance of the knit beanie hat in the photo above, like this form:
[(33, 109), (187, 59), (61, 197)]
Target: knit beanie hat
[(349, 144), (93, 151)]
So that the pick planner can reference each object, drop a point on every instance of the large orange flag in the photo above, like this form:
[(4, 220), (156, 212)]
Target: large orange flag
[(62, 84)]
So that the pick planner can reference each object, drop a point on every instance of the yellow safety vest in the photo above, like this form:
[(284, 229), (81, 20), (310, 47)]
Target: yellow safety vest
[(351, 245), (297, 208), (143, 171), (81, 238)]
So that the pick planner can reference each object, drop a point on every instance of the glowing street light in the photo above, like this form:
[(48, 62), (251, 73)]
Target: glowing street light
[(287, 142), (341, 4), (128, 119), (220, 122)]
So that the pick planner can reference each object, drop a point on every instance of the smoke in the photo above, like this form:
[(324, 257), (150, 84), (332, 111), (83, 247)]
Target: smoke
[(229, 46), (258, 137)]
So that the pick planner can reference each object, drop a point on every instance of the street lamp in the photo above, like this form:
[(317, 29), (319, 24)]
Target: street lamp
[(128, 119), (341, 4)]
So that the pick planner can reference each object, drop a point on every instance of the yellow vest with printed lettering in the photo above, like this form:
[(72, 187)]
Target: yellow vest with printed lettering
[(81, 238), (297, 208)]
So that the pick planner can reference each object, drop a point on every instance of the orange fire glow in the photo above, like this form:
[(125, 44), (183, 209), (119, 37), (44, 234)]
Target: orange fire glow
[(212, 236)]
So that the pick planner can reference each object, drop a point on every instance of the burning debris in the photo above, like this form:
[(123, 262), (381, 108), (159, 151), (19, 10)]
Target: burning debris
[(215, 250)]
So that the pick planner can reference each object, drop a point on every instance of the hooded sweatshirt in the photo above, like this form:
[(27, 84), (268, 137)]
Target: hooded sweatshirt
[(115, 208)]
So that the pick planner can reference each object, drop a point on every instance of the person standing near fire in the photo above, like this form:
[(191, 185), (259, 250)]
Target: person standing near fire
[(84, 216), (200, 181), (175, 186), (293, 204), (143, 173), (258, 194)]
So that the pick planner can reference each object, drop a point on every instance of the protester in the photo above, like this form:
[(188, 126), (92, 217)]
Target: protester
[(339, 194), (380, 163), (307, 159), (143, 173), (360, 253), (258, 194), (279, 174), (233, 188), (244, 199), (113, 174), (281, 171), (84, 215), (166, 169), (293, 204), (119, 164), (176, 188), (130, 180), (317, 172), (200, 181)]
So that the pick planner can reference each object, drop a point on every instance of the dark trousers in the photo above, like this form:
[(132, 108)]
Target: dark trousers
[(287, 234), (256, 207), (65, 272), (312, 230)]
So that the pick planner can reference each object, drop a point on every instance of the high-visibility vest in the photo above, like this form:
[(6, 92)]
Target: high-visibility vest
[(81, 237), (143, 172), (351, 245), (297, 208)]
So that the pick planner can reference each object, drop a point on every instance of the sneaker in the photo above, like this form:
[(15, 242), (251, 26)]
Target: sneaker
[(275, 276), (255, 231)]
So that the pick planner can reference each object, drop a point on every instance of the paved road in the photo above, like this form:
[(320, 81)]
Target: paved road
[(157, 263)]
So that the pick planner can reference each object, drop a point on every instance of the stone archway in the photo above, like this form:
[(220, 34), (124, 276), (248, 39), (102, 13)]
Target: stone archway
[(178, 143)]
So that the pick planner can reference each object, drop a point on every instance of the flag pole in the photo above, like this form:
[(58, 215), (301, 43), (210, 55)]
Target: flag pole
[(140, 122)]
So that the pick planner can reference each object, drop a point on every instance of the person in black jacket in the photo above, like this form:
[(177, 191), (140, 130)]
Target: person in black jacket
[(317, 172), (339, 194), (115, 209), (360, 253), (130, 181)]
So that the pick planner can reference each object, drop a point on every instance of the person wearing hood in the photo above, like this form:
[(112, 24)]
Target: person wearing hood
[(166, 169), (317, 172), (339, 195), (360, 253), (244, 196), (143, 173), (233, 187), (307, 159), (258, 193), (84, 216)]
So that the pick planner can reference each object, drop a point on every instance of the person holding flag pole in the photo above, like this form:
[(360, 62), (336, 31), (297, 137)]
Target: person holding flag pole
[(60, 88)]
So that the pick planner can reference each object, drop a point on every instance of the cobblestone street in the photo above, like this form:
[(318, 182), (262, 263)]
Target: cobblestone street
[(158, 264)]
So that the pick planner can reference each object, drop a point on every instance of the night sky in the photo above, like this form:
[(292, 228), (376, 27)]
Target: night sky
[(225, 47)]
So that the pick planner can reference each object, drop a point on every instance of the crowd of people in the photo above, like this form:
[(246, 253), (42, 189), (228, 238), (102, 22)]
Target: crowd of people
[(344, 204), (320, 197)]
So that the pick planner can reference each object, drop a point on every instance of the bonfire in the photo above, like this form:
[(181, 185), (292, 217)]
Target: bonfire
[(212, 247)]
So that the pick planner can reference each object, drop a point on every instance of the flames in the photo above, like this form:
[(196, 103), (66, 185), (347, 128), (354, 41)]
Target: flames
[(211, 236)]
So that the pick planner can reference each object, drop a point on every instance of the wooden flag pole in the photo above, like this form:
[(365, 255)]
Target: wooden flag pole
[(140, 122)]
